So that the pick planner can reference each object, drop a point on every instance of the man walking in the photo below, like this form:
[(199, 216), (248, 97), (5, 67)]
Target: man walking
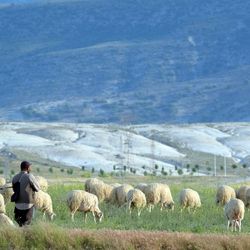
[(24, 203)]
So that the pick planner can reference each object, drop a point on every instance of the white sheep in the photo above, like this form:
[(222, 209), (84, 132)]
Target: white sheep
[(141, 186), (79, 200), (189, 199), (234, 211), (43, 183), (247, 199), (2, 181), (7, 192), (5, 220), (136, 199), (2, 205), (99, 188), (224, 194), (241, 193), (90, 182), (158, 193), (115, 185), (43, 202), (119, 194)]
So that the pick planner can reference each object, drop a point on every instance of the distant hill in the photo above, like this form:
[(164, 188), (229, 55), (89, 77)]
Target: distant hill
[(139, 147), (125, 61)]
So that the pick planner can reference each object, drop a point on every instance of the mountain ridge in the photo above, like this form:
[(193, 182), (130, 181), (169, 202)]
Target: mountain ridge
[(125, 62)]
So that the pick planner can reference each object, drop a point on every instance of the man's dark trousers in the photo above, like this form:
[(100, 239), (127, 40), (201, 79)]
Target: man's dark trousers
[(23, 217)]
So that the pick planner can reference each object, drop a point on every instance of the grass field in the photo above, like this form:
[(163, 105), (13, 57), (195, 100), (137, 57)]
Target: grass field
[(207, 222)]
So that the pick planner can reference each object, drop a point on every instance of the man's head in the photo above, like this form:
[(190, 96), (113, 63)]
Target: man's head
[(25, 166)]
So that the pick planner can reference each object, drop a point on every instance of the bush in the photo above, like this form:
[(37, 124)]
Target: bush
[(70, 171), (180, 171), (244, 165), (1, 171), (62, 170), (12, 172), (83, 168), (51, 170), (38, 170), (165, 173), (234, 166), (145, 173), (156, 166), (92, 170), (101, 172)]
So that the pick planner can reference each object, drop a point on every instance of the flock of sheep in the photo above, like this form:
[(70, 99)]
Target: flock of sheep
[(138, 197)]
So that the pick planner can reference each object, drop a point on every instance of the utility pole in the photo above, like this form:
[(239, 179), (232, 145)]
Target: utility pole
[(215, 165), (225, 166), (121, 151), (152, 149)]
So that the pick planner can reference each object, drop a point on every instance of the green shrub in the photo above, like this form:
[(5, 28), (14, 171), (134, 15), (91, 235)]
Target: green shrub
[(234, 166), (70, 171), (180, 171)]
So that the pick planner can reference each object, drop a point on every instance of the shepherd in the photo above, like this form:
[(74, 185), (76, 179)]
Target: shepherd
[(24, 185)]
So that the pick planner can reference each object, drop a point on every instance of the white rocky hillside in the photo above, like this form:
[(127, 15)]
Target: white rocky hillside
[(139, 147)]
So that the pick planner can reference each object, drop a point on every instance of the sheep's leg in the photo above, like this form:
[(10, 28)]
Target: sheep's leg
[(149, 209), (34, 213), (44, 216), (72, 216), (129, 207), (139, 212), (85, 216), (94, 216), (161, 206), (240, 225)]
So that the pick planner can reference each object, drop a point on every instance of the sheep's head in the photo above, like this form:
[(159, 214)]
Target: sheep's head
[(99, 216), (51, 216), (169, 205), (237, 224)]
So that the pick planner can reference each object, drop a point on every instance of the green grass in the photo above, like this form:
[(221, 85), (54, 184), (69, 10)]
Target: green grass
[(205, 229), (207, 219)]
